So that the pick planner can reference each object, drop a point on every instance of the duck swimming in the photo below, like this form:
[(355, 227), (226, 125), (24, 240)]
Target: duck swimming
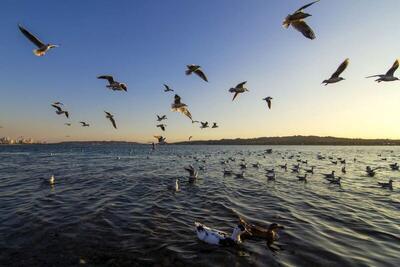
[(215, 237), (330, 175), (388, 185)]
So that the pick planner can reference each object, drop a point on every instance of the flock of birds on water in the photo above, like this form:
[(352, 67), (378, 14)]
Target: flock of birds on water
[(244, 229)]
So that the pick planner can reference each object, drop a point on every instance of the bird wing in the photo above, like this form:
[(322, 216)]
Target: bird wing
[(341, 68), (393, 68), (236, 94), (186, 112), (31, 37), (302, 27), (109, 78), (57, 107), (177, 99), (201, 74), (167, 88), (305, 6), (66, 114), (269, 103), (108, 113), (113, 122), (240, 85)]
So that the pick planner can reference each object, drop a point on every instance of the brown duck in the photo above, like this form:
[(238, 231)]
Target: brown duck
[(270, 234)]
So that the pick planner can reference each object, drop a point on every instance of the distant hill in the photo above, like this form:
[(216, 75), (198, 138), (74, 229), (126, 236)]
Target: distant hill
[(298, 140)]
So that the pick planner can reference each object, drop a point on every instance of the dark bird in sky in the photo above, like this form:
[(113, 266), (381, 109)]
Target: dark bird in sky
[(68, 124), (59, 110), (297, 21), (112, 84), (167, 88), (84, 124), (58, 103), (180, 107), (389, 76), (163, 117), (204, 125), (269, 101), (335, 77), (238, 89), (197, 70), (214, 125), (111, 118), (42, 47), (161, 140), (190, 138), (162, 126)]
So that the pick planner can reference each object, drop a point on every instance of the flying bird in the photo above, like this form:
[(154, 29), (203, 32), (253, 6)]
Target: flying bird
[(58, 103), (163, 117), (84, 124), (111, 118), (68, 124), (167, 88), (162, 126), (180, 107), (112, 84), (190, 138), (161, 140), (214, 125), (204, 125), (59, 111), (335, 77), (389, 76), (297, 21), (268, 100), (197, 70), (42, 47), (238, 89)]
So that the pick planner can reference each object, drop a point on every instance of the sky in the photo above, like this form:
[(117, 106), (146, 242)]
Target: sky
[(149, 43)]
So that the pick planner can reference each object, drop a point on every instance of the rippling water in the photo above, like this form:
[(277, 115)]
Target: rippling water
[(112, 206)]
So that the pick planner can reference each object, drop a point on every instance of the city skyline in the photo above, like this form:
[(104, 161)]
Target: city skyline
[(148, 44)]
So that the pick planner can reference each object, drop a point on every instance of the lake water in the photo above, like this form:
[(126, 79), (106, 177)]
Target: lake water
[(112, 206)]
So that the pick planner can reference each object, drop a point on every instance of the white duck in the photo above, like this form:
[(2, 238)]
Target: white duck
[(215, 237)]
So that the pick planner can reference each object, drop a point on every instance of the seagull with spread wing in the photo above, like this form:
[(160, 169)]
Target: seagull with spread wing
[(161, 118), (84, 124), (111, 118), (389, 76), (204, 125), (268, 99), (60, 111), (297, 21), (336, 76), (112, 84), (42, 47), (161, 126), (167, 88), (238, 89), (180, 107), (161, 140), (197, 70), (214, 125)]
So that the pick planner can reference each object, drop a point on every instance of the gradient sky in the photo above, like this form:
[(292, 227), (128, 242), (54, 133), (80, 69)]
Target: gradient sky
[(148, 43)]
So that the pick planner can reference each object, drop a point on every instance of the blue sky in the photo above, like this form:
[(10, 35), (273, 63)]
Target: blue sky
[(148, 43)]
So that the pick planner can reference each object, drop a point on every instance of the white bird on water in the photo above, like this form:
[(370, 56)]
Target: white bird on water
[(42, 47), (389, 75), (215, 237), (336, 76), (52, 180)]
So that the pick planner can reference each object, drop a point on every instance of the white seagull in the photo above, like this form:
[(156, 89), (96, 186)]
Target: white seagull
[(42, 47), (238, 89), (197, 70), (112, 84), (336, 76), (389, 76), (180, 107), (297, 21)]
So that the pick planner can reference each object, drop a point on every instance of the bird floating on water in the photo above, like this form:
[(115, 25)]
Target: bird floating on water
[(388, 185), (42, 47), (336, 76), (197, 70), (297, 21), (329, 175), (216, 237), (180, 107), (111, 118), (238, 89), (389, 75), (60, 111), (52, 180), (268, 99), (112, 84)]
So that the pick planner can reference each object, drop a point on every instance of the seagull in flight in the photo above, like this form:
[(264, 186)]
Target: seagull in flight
[(161, 140), (389, 76), (112, 84), (167, 88), (297, 21), (58, 103), (204, 125), (111, 118), (68, 124), (214, 125), (268, 99), (42, 47), (84, 124), (190, 138), (180, 107), (336, 76), (163, 117), (59, 111), (197, 70), (238, 89), (162, 126)]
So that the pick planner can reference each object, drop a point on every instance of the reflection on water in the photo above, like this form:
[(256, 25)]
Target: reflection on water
[(111, 206)]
